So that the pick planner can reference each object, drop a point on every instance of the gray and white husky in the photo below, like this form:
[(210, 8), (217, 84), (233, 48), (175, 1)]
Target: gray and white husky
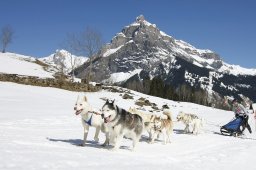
[(90, 118), (122, 123)]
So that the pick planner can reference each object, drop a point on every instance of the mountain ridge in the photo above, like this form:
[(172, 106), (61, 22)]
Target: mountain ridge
[(142, 46)]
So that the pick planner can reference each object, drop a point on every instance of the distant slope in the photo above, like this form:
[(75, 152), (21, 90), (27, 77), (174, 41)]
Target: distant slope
[(11, 63)]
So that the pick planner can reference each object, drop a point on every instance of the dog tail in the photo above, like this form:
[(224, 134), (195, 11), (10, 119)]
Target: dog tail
[(168, 113)]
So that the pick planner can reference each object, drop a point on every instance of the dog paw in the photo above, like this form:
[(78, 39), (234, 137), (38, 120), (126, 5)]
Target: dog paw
[(105, 144), (132, 149), (96, 139), (81, 144), (113, 149)]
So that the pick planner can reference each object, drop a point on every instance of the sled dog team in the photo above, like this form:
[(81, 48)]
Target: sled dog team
[(117, 123)]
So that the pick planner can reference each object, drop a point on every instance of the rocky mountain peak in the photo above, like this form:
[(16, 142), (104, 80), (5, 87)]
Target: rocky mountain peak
[(142, 48), (62, 59), (140, 19)]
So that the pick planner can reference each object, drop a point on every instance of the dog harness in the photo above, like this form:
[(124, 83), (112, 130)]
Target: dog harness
[(89, 122)]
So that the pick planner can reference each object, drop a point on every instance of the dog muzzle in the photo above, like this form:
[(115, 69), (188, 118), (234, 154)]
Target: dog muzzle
[(107, 119), (78, 111)]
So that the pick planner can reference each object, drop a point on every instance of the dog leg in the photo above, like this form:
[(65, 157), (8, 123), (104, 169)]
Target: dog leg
[(195, 130), (107, 140), (158, 135), (168, 138), (118, 141), (169, 133), (149, 135), (105, 130), (164, 137), (96, 136), (112, 138), (186, 129), (154, 135), (135, 141), (86, 130)]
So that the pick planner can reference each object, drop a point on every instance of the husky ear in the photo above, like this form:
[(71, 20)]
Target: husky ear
[(107, 101), (113, 101), (85, 98)]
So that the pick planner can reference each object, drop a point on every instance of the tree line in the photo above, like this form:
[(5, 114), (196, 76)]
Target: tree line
[(183, 92)]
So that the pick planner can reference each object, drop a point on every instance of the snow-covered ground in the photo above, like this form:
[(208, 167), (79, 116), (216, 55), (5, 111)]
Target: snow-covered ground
[(11, 63), (39, 130)]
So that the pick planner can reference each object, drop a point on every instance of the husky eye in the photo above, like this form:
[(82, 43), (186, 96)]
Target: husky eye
[(80, 104)]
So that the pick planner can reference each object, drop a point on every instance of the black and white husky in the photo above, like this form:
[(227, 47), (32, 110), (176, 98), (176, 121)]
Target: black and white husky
[(120, 123)]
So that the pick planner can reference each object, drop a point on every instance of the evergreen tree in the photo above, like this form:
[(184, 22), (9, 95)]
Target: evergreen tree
[(169, 92), (157, 87)]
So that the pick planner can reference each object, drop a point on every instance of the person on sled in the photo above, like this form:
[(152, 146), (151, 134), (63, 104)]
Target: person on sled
[(241, 111)]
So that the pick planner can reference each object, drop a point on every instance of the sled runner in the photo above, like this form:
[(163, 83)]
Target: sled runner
[(234, 128)]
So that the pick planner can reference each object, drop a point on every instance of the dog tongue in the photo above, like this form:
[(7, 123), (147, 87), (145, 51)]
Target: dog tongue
[(107, 119), (78, 112)]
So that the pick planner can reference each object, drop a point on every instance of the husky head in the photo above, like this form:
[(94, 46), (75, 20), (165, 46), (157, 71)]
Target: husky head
[(180, 116), (108, 111), (82, 105), (157, 122)]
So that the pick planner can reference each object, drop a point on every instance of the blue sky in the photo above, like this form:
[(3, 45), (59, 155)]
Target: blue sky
[(227, 27)]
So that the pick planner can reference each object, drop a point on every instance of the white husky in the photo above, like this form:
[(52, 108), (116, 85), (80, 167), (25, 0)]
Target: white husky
[(162, 126), (90, 118), (191, 119)]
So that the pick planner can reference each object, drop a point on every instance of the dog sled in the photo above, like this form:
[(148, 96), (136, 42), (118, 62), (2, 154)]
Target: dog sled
[(233, 128)]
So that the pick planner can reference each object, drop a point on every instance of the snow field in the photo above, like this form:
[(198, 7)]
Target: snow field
[(39, 130)]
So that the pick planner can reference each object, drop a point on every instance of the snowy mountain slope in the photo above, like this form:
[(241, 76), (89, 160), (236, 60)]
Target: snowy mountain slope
[(11, 63), (64, 58), (42, 131), (236, 70), (143, 46)]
